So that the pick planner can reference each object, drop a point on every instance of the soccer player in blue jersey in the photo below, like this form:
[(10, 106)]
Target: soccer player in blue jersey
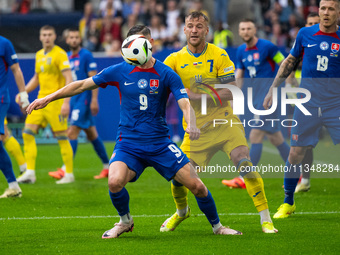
[(143, 136), (257, 62), (83, 106), (9, 60), (319, 47)]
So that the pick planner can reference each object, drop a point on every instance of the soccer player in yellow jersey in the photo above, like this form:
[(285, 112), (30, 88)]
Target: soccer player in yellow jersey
[(196, 63), (52, 72)]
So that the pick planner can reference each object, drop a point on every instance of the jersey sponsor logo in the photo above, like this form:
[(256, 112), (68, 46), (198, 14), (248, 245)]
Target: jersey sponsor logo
[(227, 69), (184, 65), (127, 84), (154, 84), (142, 83), (324, 45), (256, 56), (311, 45), (335, 47), (183, 91), (295, 137), (14, 56)]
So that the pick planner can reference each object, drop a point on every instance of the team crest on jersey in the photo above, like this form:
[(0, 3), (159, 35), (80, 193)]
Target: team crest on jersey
[(154, 84), (324, 45), (335, 47), (198, 78), (49, 60), (256, 56), (295, 137), (142, 83)]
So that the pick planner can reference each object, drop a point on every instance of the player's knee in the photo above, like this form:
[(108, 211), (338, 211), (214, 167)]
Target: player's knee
[(199, 189), (115, 185), (295, 156)]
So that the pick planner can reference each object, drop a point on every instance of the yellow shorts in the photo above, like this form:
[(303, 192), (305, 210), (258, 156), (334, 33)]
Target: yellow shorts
[(50, 114), (213, 139)]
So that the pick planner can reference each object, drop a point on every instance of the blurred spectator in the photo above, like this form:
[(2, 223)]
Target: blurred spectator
[(21, 6), (221, 12), (130, 7), (158, 32), (311, 6), (223, 38), (106, 43), (112, 26), (293, 30), (178, 40), (85, 21), (277, 37), (110, 7), (151, 8), (132, 20), (91, 40), (171, 16), (114, 49)]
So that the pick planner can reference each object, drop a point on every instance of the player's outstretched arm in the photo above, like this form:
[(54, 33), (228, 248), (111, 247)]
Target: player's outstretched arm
[(190, 118), (94, 106), (65, 108), (285, 69), (19, 79), (70, 90)]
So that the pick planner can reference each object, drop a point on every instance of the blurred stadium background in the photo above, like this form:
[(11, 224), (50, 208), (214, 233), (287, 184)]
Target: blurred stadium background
[(104, 23)]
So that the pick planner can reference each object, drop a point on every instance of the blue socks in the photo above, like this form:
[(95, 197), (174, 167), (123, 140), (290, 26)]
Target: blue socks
[(100, 149), (6, 164), (120, 201), (284, 151), (290, 181), (208, 207), (255, 153), (74, 145)]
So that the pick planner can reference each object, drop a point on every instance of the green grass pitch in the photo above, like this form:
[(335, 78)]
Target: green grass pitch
[(70, 219)]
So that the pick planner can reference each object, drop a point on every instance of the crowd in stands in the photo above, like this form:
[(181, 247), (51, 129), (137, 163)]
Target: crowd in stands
[(104, 28)]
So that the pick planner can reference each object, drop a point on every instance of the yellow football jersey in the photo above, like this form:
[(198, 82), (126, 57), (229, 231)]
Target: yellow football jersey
[(49, 67), (198, 72)]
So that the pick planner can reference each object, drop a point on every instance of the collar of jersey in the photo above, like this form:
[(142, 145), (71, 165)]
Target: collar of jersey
[(196, 55)]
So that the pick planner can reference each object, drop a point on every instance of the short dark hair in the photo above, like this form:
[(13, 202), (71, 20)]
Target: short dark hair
[(248, 20), (72, 29), (139, 29), (312, 15), (47, 27), (197, 15)]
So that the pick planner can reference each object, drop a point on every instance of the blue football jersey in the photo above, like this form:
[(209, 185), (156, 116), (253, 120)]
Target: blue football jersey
[(143, 95), (259, 64), (320, 65), (81, 64), (9, 57)]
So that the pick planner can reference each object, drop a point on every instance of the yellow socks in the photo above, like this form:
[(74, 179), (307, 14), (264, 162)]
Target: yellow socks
[(30, 149), (180, 195), (13, 147), (66, 154), (254, 185)]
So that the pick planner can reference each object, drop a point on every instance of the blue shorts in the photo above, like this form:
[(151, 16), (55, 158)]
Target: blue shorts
[(264, 123), (81, 116), (3, 113), (306, 133), (167, 158)]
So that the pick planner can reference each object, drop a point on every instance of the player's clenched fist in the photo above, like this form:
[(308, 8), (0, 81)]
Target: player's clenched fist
[(194, 132)]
